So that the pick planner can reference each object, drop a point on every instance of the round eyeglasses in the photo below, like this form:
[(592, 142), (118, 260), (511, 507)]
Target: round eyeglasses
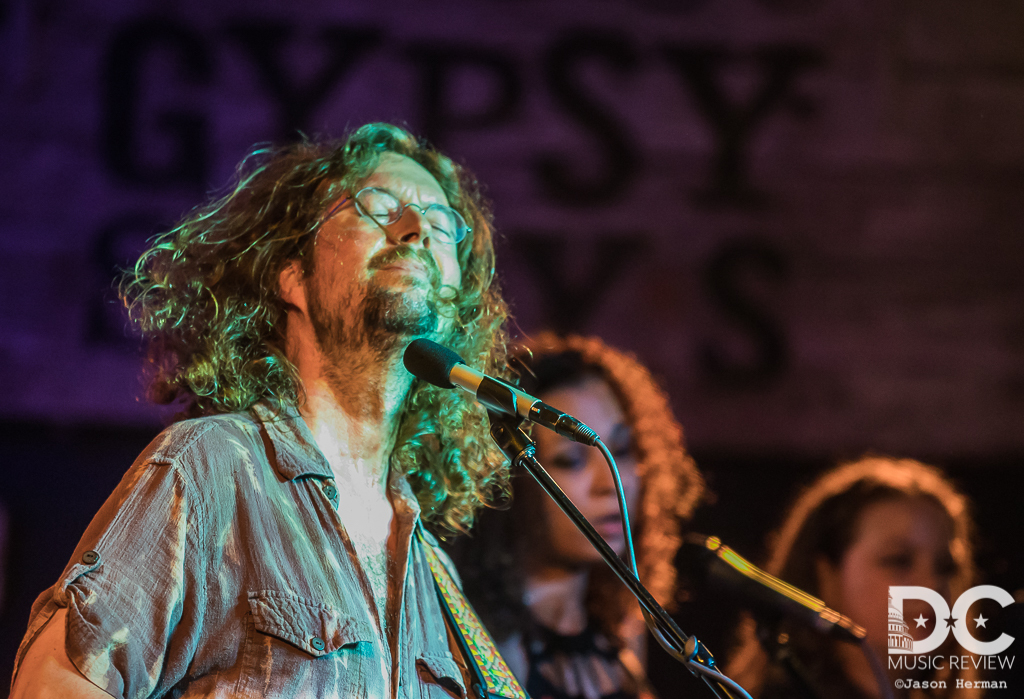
[(384, 208)]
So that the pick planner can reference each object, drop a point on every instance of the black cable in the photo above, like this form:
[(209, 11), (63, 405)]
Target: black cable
[(708, 674)]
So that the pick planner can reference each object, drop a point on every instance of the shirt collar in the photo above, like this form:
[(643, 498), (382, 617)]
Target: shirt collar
[(293, 453), (404, 500), (292, 449)]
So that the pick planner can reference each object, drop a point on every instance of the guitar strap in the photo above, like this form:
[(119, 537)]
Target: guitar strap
[(493, 678)]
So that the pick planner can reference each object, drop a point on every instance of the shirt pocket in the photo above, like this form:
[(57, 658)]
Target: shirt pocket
[(292, 635), (440, 676)]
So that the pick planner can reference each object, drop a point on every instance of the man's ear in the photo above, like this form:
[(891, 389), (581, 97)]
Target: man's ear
[(293, 291)]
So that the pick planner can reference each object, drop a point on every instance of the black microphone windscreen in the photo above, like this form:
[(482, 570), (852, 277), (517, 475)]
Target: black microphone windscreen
[(431, 362)]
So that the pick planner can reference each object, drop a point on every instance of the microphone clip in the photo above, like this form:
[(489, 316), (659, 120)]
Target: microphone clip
[(508, 433)]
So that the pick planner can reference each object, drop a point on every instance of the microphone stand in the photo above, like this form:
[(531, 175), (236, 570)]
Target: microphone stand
[(782, 654), (520, 450)]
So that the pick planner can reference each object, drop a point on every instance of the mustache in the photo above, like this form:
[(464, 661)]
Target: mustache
[(404, 252)]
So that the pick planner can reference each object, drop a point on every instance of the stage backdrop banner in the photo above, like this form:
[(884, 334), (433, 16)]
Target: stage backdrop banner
[(804, 215)]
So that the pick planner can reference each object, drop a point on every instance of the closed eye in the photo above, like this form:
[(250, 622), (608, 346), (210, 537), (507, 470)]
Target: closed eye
[(898, 561), (620, 441), (568, 460)]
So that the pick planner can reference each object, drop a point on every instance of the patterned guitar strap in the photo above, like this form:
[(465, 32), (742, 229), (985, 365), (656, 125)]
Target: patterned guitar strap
[(493, 678)]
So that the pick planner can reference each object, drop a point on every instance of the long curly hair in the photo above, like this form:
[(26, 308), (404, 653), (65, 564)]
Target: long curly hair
[(205, 298), (670, 488), (823, 522)]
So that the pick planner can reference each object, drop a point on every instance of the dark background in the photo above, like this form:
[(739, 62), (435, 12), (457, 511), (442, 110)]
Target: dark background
[(803, 215)]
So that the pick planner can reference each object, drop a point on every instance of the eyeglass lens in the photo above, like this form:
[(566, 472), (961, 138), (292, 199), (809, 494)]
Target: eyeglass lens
[(385, 209)]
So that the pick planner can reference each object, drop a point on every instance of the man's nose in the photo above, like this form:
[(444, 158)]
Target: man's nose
[(411, 228)]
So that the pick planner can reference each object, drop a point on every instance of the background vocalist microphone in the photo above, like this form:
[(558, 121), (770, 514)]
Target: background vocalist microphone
[(443, 368), (721, 568)]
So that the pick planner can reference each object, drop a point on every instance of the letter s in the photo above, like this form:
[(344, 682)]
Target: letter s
[(563, 72)]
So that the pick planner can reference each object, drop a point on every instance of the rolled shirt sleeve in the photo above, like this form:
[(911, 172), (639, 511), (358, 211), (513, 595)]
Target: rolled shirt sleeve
[(131, 588), (221, 566)]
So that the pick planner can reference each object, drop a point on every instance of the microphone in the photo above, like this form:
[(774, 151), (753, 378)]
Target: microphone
[(443, 368), (724, 569)]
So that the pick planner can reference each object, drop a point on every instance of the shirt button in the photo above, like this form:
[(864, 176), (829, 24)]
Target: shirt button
[(331, 492), (317, 643), (90, 557)]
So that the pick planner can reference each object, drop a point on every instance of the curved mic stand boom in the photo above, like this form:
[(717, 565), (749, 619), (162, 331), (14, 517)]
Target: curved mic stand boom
[(520, 449)]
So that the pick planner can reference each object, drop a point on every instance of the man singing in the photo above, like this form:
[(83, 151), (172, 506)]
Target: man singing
[(272, 546)]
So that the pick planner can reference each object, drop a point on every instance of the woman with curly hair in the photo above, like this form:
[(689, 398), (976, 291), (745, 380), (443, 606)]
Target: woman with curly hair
[(855, 531), (565, 623)]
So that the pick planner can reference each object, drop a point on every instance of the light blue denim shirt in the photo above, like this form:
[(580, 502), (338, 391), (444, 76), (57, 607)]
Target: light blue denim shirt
[(220, 567)]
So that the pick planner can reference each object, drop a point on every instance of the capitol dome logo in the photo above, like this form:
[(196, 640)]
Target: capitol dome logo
[(899, 632), (956, 620)]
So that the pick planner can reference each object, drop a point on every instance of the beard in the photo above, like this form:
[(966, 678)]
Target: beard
[(385, 312), (383, 319)]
